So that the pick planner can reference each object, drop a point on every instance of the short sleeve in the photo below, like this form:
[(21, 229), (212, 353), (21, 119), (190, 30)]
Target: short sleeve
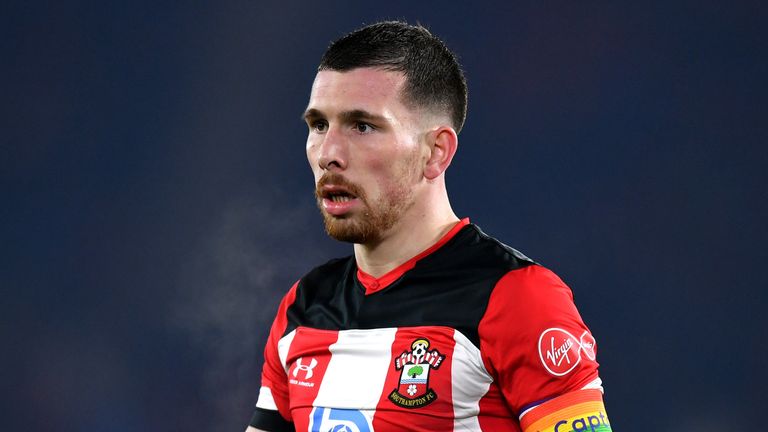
[(534, 341), (272, 408)]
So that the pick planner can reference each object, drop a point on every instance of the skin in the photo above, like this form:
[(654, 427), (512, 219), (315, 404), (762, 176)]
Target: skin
[(363, 140), (364, 137)]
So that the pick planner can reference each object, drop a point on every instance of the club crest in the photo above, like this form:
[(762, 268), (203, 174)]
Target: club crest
[(413, 390)]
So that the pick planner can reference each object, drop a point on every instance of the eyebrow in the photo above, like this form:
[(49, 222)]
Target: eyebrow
[(346, 116)]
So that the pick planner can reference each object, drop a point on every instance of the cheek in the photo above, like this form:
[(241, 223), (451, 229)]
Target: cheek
[(384, 159), (408, 167), (379, 166), (312, 154), (309, 148), (383, 171)]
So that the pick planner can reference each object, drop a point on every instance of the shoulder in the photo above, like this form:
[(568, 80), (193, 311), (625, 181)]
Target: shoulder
[(496, 247), (330, 273), (533, 283), (324, 276), (520, 277), (473, 249), (532, 297), (323, 298)]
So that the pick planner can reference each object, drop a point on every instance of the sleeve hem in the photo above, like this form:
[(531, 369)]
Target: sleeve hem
[(270, 420)]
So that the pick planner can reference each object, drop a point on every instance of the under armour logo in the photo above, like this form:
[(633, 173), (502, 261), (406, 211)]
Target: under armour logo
[(306, 368)]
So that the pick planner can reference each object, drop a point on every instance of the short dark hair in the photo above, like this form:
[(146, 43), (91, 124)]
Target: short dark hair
[(433, 77)]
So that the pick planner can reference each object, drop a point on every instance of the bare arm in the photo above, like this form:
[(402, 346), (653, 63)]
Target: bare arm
[(253, 429)]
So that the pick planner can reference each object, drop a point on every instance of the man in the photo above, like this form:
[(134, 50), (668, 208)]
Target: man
[(431, 325)]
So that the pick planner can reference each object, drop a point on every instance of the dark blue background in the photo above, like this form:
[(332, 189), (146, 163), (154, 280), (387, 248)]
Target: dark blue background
[(156, 201)]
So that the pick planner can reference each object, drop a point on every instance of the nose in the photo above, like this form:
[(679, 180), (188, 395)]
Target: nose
[(333, 151)]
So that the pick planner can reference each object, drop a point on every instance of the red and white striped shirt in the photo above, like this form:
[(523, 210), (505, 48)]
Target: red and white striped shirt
[(467, 336)]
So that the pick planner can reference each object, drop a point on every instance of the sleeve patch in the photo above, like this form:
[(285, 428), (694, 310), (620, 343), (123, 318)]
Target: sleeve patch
[(579, 411), (561, 352)]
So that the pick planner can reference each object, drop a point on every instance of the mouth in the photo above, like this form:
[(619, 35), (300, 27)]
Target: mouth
[(337, 200), (339, 197), (336, 193)]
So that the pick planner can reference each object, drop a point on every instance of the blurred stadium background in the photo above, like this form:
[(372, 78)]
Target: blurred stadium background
[(156, 202)]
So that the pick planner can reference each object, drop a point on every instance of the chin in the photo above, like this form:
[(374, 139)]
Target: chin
[(350, 231)]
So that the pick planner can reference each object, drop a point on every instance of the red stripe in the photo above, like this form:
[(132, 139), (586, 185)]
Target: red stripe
[(495, 415), (308, 344), (273, 374)]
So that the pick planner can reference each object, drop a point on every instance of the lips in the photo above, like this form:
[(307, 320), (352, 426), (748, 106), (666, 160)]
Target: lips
[(337, 196), (336, 193), (337, 200)]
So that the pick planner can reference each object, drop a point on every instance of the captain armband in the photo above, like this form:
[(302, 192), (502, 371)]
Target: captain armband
[(579, 411)]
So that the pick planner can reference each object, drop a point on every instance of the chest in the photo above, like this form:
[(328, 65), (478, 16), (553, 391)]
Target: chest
[(429, 375)]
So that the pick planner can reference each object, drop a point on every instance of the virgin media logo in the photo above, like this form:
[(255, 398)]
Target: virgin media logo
[(560, 351)]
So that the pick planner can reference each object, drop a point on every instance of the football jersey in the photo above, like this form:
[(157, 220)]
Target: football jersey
[(468, 336)]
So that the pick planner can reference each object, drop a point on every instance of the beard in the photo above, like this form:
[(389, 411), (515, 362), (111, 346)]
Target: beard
[(377, 217)]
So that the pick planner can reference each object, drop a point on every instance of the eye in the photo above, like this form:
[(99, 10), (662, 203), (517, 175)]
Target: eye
[(364, 128), (319, 126)]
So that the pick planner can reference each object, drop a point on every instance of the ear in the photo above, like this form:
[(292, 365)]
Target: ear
[(443, 143)]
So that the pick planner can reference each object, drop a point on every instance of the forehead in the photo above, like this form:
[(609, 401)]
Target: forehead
[(369, 89)]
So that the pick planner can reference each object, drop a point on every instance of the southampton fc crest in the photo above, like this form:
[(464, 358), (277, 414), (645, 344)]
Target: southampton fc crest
[(413, 390)]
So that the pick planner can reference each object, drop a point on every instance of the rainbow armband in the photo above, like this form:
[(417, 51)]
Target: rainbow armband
[(579, 411)]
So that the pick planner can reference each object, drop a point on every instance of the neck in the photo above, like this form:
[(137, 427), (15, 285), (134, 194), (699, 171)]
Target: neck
[(414, 233)]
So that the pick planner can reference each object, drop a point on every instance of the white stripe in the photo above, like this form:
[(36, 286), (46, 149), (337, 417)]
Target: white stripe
[(357, 370), (283, 345), (470, 382), (597, 383), (266, 400)]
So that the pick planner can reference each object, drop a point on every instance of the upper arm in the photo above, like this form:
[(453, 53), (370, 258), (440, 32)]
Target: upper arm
[(534, 341), (272, 407)]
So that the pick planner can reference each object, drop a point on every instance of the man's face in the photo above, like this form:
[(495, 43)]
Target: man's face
[(365, 152)]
